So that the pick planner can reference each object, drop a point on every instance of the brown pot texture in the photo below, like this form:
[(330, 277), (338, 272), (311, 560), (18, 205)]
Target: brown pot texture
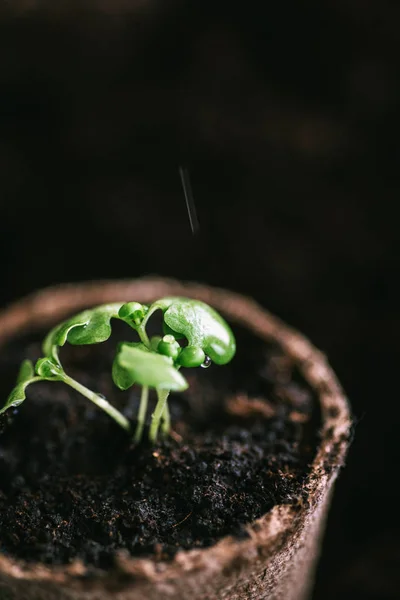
[(278, 560)]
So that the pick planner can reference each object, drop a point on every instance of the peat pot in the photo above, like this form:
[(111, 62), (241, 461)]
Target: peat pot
[(275, 555)]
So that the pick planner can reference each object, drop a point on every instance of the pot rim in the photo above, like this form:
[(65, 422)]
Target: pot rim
[(267, 534)]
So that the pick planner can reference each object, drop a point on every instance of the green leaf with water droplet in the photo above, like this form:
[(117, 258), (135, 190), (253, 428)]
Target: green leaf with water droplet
[(201, 325), (135, 363)]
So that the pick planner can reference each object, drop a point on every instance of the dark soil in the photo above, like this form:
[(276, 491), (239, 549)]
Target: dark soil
[(72, 485)]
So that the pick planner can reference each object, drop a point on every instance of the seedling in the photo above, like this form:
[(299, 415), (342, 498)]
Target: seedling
[(151, 363)]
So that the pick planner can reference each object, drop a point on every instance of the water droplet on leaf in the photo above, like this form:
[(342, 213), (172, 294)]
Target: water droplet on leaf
[(207, 362)]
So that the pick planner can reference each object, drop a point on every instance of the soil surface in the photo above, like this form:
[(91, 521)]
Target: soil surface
[(72, 485)]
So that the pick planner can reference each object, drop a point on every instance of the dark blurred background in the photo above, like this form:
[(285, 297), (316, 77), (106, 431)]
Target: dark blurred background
[(287, 119)]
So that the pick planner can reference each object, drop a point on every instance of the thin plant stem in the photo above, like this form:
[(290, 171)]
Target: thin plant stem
[(157, 414), (100, 402), (166, 420), (144, 338), (142, 413), (142, 329)]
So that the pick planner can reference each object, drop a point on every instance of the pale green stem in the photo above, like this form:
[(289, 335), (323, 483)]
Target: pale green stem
[(142, 329), (100, 402), (142, 413), (55, 354), (166, 420), (144, 338), (147, 316), (166, 416), (157, 414)]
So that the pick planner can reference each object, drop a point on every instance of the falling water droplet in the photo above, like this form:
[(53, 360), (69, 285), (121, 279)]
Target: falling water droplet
[(207, 362)]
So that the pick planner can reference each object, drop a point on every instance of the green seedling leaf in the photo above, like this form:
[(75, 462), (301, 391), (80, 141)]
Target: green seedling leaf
[(135, 363), (98, 327), (123, 378), (25, 376), (88, 327), (26, 371), (133, 312), (201, 325), (48, 368), (17, 395)]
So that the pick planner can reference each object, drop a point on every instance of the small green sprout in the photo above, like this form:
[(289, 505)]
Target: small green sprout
[(152, 363)]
